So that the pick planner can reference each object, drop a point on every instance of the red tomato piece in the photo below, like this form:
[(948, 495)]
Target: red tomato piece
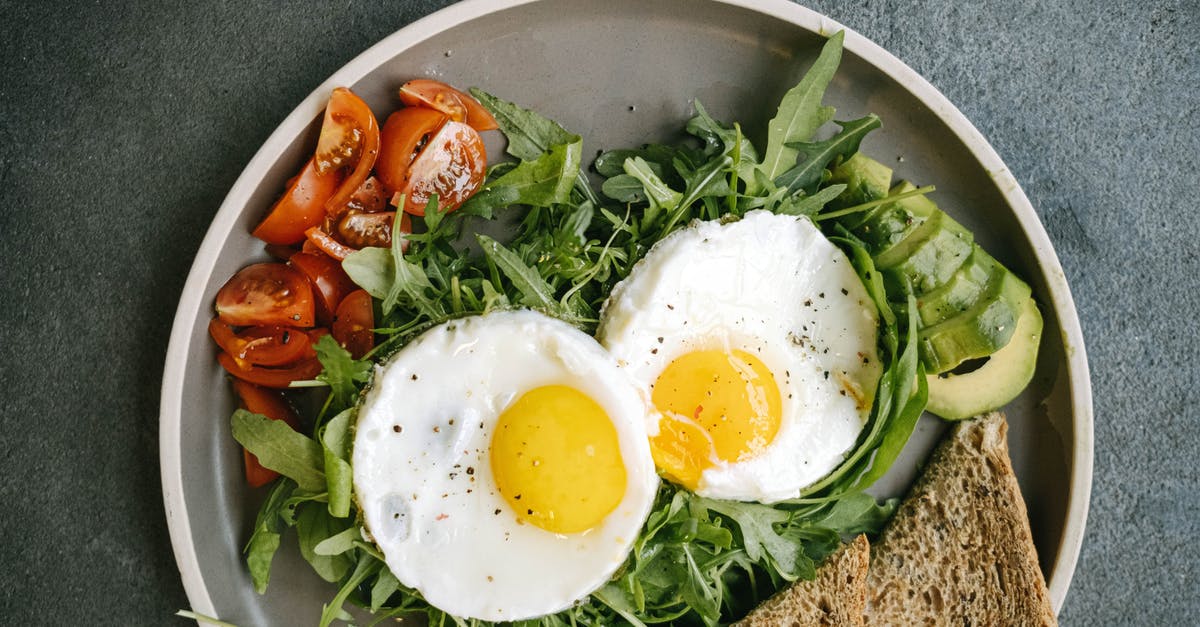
[(325, 243), (271, 404), (452, 166), (266, 294), (458, 106), (354, 325), (404, 134), (369, 197), (349, 139), (279, 378), (261, 345), (301, 207), (330, 283), (371, 229), (280, 252)]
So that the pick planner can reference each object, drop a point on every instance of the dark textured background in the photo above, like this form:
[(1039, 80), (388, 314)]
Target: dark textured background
[(122, 126)]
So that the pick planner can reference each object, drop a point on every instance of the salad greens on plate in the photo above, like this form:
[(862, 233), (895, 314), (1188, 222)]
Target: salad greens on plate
[(696, 561)]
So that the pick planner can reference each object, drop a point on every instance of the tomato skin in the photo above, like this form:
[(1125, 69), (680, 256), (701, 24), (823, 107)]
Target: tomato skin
[(452, 165), (261, 345), (325, 243), (350, 110), (278, 378), (404, 134), (271, 404), (457, 105), (370, 197), (329, 282), (266, 294), (361, 230), (354, 325), (301, 207)]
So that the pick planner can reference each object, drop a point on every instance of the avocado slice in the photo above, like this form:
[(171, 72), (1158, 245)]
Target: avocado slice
[(865, 179), (978, 332), (1001, 379), (961, 291), (889, 223), (933, 262)]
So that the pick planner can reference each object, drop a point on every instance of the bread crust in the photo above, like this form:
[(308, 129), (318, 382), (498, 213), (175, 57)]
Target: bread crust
[(959, 549), (836, 597)]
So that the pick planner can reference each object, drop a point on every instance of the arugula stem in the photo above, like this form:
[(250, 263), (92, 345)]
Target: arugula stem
[(875, 203)]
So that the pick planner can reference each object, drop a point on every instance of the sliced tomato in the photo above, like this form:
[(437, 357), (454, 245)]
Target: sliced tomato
[(266, 294), (301, 207), (404, 134), (369, 197), (458, 106), (327, 244), (261, 345), (269, 403), (349, 139), (371, 229), (354, 325), (452, 166), (279, 378), (330, 283)]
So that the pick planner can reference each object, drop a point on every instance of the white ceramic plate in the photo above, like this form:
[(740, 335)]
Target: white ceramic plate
[(621, 73)]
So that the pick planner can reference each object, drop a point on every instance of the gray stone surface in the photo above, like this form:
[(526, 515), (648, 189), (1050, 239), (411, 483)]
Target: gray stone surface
[(123, 125)]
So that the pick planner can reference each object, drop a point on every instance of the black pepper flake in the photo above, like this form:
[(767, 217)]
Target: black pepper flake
[(826, 375), (529, 512), (808, 303), (660, 340), (470, 470), (671, 307), (414, 377), (497, 512), (437, 429), (844, 292), (654, 351), (517, 497), (397, 428), (452, 422), (821, 295)]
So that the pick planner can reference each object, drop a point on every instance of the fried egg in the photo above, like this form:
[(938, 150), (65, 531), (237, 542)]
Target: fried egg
[(756, 341), (502, 466)]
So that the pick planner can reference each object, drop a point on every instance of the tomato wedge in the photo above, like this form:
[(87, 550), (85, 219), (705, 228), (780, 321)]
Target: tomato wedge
[(354, 325), (451, 165), (279, 378), (329, 282), (349, 138), (301, 207), (360, 230), (369, 197), (271, 404), (405, 134), (458, 106), (262, 345), (325, 243), (266, 294)]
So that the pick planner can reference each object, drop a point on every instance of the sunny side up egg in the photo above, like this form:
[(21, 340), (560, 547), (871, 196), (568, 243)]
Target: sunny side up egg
[(502, 466), (756, 341)]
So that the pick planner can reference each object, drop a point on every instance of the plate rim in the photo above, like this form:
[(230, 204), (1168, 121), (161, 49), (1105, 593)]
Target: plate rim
[(190, 305)]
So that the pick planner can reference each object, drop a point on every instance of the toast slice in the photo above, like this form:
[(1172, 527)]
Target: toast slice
[(959, 549), (836, 597)]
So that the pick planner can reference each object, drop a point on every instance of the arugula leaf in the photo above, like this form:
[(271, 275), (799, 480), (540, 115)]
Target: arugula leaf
[(363, 570), (313, 526), (338, 543), (264, 540), (534, 291), (529, 133), (818, 155), (661, 197), (800, 205), (385, 586), (623, 188), (722, 140), (279, 448), (542, 182), (342, 372), (335, 444), (756, 523), (800, 112)]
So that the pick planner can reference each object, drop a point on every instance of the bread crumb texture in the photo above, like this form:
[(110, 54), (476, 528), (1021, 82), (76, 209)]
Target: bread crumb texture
[(837, 596), (959, 550)]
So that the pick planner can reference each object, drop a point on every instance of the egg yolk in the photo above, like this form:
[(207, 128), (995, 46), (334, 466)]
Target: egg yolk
[(716, 405), (557, 460)]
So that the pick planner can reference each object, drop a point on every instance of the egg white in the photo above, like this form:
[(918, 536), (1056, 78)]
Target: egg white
[(775, 287), (424, 483)]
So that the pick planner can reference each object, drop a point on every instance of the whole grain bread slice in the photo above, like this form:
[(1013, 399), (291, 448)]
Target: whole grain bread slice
[(959, 550), (835, 597)]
